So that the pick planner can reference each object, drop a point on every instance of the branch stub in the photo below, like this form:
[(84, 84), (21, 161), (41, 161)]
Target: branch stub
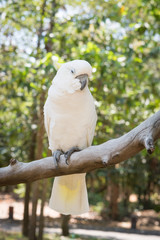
[(13, 161)]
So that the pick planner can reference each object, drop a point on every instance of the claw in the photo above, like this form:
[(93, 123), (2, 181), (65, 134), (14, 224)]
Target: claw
[(69, 153), (56, 156)]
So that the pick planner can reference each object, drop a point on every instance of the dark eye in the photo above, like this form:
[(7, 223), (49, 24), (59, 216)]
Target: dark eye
[(72, 71)]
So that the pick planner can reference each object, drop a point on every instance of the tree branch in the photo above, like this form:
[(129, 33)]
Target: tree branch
[(109, 153)]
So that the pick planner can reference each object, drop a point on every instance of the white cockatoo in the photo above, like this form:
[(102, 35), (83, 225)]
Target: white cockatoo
[(70, 120)]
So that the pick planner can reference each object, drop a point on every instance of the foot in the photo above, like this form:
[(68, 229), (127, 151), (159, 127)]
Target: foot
[(69, 153), (56, 156)]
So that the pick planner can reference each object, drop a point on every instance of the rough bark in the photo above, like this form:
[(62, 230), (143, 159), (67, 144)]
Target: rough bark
[(109, 153)]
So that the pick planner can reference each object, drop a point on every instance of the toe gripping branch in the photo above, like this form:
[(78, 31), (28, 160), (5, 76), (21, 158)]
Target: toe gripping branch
[(149, 144), (57, 154), (69, 153)]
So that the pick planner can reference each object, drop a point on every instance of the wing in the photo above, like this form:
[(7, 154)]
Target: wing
[(47, 118), (49, 123), (91, 127)]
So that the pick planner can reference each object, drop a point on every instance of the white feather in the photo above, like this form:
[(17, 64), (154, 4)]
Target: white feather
[(70, 120)]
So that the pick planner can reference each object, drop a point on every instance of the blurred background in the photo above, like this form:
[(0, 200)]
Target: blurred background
[(120, 39)]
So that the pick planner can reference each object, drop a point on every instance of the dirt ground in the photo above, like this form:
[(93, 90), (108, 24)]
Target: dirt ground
[(148, 221)]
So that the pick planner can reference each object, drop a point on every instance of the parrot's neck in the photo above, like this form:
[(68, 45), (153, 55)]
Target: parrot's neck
[(57, 94), (70, 101)]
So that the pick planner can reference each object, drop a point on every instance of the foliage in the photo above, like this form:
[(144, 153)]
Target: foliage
[(13, 236), (121, 41)]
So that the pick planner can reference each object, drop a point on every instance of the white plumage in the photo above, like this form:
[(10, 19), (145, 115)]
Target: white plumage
[(70, 120)]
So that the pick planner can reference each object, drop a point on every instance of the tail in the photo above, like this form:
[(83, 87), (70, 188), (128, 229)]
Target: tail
[(69, 194)]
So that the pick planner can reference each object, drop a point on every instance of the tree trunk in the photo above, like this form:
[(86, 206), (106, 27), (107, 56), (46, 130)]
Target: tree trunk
[(39, 150), (25, 227), (114, 193), (126, 198), (39, 139), (33, 220), (114, 200), (43, 198), (65, 224)]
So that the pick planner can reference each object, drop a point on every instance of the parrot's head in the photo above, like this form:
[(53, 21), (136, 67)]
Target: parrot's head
[(72, 76)]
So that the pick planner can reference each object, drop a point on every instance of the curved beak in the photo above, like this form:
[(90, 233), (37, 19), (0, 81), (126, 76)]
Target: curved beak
[(83, 78)]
